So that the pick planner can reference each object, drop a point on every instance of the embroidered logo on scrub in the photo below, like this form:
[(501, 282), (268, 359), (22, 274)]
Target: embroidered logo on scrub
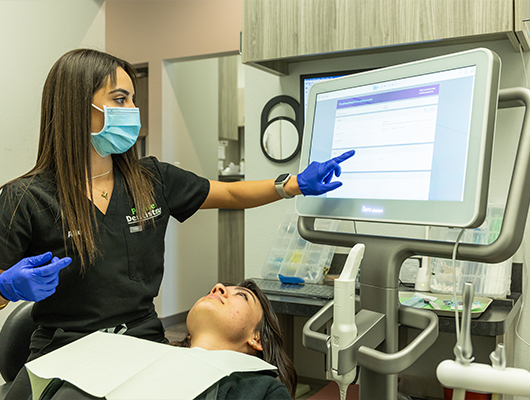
[(150, 213)]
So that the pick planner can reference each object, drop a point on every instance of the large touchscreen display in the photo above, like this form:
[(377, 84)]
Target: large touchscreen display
[(422, 133)]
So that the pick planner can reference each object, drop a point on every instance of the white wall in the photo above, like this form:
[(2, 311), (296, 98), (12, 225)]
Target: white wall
[(261, 223), (190, 136), (33, 35)]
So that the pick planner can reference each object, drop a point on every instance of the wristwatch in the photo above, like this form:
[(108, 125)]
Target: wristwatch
[(280, 182)]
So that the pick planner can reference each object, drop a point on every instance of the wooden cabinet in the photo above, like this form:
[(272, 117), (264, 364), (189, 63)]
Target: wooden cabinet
[(276, 32), (231, 262), (231, 267), (228, 98)]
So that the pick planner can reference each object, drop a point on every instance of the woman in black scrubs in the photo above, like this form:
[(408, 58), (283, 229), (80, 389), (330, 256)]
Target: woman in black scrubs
[(91, 199)]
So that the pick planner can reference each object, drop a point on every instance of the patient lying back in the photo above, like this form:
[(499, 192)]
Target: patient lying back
[(240, 318), (236, 318)]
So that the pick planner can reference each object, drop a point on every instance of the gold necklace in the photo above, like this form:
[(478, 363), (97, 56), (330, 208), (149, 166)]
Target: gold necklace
[(104, 194)]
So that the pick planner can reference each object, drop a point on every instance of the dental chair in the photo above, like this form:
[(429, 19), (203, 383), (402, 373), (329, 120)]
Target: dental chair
[(15, 337)]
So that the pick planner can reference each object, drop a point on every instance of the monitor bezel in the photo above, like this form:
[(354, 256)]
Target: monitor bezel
[(335, 74), (468, 213)]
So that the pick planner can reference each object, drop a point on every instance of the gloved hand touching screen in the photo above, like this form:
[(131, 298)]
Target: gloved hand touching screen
[(316, 178), (30, 279)]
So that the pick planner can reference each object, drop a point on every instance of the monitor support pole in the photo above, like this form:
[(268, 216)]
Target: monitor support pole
[(383, 259)]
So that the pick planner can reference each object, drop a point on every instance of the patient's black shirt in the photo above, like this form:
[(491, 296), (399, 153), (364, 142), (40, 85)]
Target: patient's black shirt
[(119, 288), (248, 385)]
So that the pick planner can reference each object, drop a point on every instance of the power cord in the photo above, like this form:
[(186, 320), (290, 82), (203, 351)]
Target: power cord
[(524, 65)]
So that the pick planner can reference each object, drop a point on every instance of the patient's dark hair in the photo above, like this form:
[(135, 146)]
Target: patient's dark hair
[(271, 337)]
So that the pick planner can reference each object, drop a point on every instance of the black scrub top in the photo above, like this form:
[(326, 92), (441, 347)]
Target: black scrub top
[(119, 288)]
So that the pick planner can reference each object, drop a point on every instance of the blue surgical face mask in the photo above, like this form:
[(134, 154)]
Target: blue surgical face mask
[(120, 132)]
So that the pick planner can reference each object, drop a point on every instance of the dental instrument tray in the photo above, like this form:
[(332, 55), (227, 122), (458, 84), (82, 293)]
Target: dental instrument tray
[(444, 302), (311, 290)]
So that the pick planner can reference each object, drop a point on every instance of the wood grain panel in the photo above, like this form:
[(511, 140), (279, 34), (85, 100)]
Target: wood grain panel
[(231, 267), (283, 29), (522, 23), (228, 102)]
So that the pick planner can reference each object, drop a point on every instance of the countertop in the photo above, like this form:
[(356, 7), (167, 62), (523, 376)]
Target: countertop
[(492, 322)]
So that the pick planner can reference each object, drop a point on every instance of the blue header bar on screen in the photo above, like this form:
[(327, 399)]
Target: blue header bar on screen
[(389, 96)]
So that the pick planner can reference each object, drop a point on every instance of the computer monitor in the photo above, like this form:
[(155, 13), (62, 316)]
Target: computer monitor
[(308, 80), (422, 133)]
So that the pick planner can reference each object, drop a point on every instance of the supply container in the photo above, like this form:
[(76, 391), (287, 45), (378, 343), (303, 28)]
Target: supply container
[(491, 280), (291, 255)]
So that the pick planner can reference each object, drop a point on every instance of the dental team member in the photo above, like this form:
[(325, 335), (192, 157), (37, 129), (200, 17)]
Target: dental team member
[(90, 198)]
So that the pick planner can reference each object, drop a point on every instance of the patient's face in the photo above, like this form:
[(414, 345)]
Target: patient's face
[(231, 312)]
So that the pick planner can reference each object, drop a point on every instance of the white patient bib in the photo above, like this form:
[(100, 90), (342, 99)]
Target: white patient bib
[(123, 367)]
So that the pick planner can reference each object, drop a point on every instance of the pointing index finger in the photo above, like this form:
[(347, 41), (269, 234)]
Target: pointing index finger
[(344, 156)]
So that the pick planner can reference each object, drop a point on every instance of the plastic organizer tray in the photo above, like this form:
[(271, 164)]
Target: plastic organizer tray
[(291, 255), (491, 280)]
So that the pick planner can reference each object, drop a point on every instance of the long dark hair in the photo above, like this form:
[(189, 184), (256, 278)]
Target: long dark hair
[(64, 143), (271, 337)]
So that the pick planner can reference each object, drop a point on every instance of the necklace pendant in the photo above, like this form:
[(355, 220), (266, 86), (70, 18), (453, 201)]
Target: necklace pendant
[(105, 195)]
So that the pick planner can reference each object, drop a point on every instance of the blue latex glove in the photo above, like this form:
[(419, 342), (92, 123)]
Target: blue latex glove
[(30, 279), (316, 178)]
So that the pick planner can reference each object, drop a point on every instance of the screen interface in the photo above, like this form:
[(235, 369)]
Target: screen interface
[(308, 82), (411, 136)]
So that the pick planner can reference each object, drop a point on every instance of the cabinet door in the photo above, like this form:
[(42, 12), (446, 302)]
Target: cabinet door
[(522, 22), (286, 29), (228, 103)]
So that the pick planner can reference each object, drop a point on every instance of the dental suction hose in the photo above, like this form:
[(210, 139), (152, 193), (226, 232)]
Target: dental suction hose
[(343, 329)]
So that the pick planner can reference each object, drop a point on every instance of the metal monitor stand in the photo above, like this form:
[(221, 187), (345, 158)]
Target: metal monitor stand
[(380, 270)]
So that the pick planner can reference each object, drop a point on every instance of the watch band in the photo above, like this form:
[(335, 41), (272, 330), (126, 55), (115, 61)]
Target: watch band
[(279, 183)]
